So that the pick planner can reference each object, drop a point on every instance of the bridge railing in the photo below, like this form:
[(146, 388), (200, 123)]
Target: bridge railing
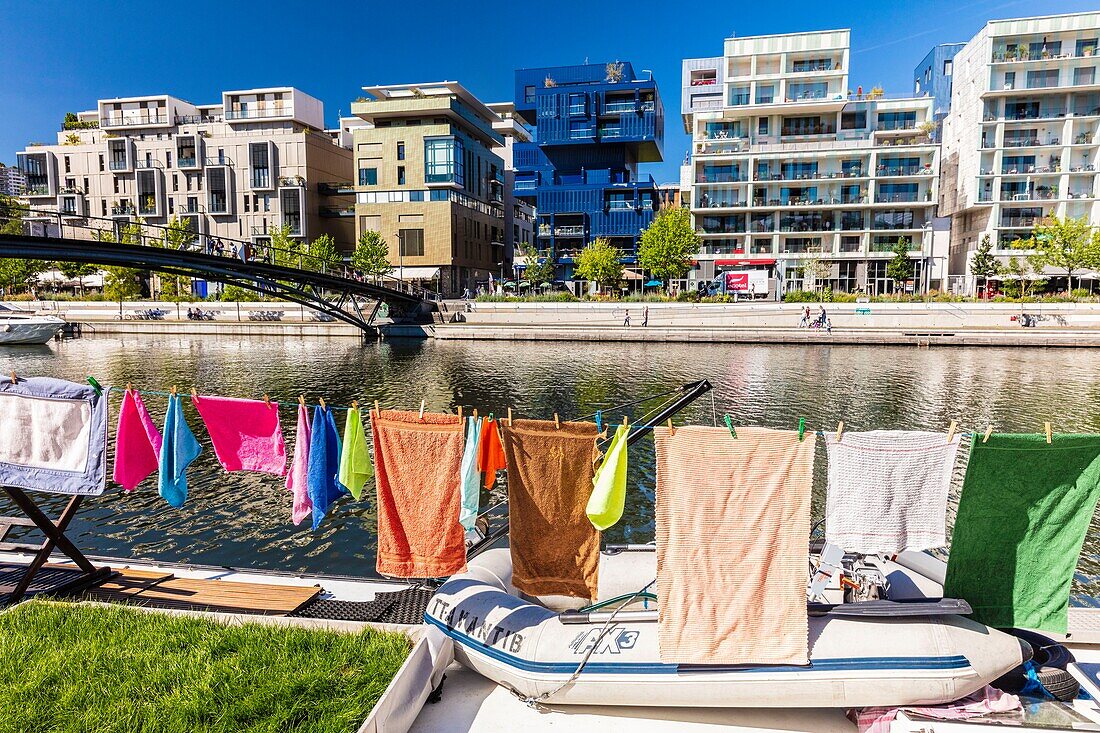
[(136, 231)]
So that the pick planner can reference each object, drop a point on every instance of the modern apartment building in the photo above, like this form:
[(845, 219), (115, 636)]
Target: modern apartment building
[(1020, 142), (789, 167), (519, 215), (12, 181), (593, 125), (238, 168), (431, 181), (933, 77)]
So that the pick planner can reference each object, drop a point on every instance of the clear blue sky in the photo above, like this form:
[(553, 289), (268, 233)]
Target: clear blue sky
[(60, 56)]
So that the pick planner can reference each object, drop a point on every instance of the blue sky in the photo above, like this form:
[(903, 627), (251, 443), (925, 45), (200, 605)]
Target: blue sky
[(58, 56)]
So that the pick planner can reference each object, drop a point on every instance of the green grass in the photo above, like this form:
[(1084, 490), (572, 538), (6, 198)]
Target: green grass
[(89, 668)]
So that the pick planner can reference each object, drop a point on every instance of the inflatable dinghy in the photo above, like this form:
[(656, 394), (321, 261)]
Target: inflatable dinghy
[(867, 653)]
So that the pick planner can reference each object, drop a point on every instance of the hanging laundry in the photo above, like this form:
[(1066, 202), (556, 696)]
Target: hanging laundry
[(470, 477), (246, 434), (177, 451), (975, 705), (732, 517), (1023, 514), (555, 549), (355, 466), (605, 506), (297, 478), (417, 464), (324, 464), (53, 436), (137, 442), (887, 490), (490, 453)]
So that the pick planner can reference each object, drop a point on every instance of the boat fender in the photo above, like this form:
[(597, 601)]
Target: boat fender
[(1044, 675)]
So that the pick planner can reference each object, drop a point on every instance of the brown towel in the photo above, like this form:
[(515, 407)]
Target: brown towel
[(733, 520), (417, 469), (555, 549)]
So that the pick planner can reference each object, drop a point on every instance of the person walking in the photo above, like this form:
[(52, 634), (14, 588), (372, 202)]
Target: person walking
[(823, 319), (805, 322), (645, 316), (626, 319)]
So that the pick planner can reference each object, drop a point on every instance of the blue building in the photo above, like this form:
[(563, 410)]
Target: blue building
[(592, 125), (932, 78)]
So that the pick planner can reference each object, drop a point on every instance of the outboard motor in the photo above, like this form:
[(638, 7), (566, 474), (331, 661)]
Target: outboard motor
[(863, 582)]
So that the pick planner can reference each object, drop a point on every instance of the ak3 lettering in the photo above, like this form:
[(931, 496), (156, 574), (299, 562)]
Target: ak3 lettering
[(613, 642)]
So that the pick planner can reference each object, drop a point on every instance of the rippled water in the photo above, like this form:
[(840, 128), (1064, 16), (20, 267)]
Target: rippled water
[(243, 519)]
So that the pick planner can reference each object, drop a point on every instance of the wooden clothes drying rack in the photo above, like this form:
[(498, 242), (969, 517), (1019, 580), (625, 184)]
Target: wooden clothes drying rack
[(16, 582)]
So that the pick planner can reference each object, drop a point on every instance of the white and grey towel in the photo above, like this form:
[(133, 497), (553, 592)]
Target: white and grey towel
[(888, 490)]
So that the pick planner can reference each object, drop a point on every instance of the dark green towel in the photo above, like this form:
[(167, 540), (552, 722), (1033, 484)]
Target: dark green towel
[(1022, 518)]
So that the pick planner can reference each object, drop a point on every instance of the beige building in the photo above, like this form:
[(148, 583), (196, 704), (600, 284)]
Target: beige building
[(255, 160), (430, 179), (1020, 142)]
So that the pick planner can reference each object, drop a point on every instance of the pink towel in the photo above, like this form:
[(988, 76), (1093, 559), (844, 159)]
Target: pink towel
[(297, 478), (245, 433), (137, 443), (982, 702)]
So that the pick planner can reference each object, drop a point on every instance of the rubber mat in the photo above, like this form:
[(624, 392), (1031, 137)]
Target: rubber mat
[(398, 607)]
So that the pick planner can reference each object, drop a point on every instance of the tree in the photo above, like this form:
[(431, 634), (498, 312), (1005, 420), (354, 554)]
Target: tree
[(814, 271), (322, 253), (372, 254), (983, 264), (15, 273), (538, 271), (121, 283), (600, 263), (668, 244), (1023, 279), (900, 268), (1069, 244)]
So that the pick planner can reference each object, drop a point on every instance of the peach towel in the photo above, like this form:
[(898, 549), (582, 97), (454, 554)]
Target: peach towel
[(417, 465), (555, 549), (733, 520)]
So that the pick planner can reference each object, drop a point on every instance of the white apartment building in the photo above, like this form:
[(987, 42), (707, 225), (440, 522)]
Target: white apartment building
[(255, 160), (1020, 141), (12, 181), (519, 216), (791, 163)]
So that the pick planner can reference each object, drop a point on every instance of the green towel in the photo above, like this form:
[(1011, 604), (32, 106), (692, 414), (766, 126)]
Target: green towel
[(1022, 518), (355, 466), (605, 505)]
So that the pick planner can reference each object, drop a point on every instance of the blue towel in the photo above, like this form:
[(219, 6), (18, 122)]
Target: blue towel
[(470, 477), (176, 453), (324, 464)]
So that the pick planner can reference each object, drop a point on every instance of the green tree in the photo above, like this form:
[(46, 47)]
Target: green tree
[(1023, 282), (372, 254), (1069, 244), (121, 283), (600, 263), (16, 273), (668, 244), (983, 264), (900, 268), (538, 271), (321, 253)]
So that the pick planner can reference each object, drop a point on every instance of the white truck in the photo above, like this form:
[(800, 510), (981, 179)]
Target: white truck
[(749, 284)]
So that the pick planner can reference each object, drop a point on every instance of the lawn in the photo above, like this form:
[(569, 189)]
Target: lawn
[(70, 667)]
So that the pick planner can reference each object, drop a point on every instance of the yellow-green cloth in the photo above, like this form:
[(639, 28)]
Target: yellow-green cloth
[(355, 466), (1023, 514), (605, 506)]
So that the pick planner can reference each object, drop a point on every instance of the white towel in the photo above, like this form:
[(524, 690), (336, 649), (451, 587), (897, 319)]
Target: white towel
[(888, 490)]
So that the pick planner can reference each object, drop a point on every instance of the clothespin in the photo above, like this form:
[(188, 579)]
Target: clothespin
[(460, 413), (194, 394), (174, 391), (839, 430), (14, 379), (1049, 436), (951, 430), (423, 404), (626, 420), (95, 384), (129, 386), (355, 404), (671, 427), (801, 428), (321, 402), (988, 430), (729, 424), (475, 414), (302, 400), (377, 409), (509, 417), (557, 422), (267, 400), (599, 421)]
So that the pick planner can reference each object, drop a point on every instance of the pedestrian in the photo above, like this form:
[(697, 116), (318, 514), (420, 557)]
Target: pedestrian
[(823, 320), (645, 316), (805, 322), (190, 314), (626, 318)]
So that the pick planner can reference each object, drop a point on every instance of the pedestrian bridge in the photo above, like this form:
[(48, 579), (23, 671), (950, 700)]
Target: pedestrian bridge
[(330, 288)]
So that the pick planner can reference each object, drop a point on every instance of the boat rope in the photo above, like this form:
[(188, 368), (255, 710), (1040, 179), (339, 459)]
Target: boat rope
[(535, 702)]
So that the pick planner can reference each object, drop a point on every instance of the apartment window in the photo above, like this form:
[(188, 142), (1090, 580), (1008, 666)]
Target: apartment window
[(68, 165), (1084, 76), (762, 126), (765, 93), (87, 189), (1010, 80), (259, 157), (444, 160), (1042, 78), (1086, 47), (854, 120), (116, 185), (804, 65), (412, 242), (928, 75), (175, 183), (101, 162), (439, 195), (171, 206), (370, 223), (400, 151), (816, 90), (897, 120), (416, 195), (529, 94), (103, 205), (217, 191), (267, 202), (947, 67), (368, 176), (247, 204), (577, 104), (739, 96), (400, 175), (290, 202), (168, 159)]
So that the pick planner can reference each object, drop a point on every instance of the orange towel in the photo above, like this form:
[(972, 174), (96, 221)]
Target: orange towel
[(733, 518), (555, 549), (417, 470), (490, 453)]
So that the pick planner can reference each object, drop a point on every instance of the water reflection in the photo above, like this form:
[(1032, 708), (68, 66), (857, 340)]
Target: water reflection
[(243, 519)]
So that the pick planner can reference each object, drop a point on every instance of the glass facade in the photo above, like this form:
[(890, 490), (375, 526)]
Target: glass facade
[(443, 160)]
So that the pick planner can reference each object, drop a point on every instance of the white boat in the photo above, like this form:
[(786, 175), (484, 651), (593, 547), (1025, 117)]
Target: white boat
[(19, 327), (871, 653)]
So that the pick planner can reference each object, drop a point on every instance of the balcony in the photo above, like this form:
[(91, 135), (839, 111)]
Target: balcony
[(606, 133), (197, 119), (147, 164), (186, 162), (135, 120), (330, 212), (904, 170), (123, 210), (38, 189), (119, 165), (292, 181), (901, 198), (336, 188), (622, 106), (217, 160), (1030, 142), (258, 113), (576, 230)]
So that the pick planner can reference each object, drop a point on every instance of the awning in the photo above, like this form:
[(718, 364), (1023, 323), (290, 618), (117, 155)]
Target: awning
[(760, 261), (631, 275), (415, 273)]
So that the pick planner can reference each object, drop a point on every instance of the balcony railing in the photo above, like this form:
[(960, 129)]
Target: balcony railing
[(217, 160), (336, 211), (197, 119), (186, 162), (133, 121), (897, 125), (904, 170), (525, 185), (898, 198), (626, 106), (123, 210), (1030, 142), (257, 113), (620, 205), (336, 188), (610, 132), (807, 131), (119, 165), (567, 231), (38, 189), (146, 164)]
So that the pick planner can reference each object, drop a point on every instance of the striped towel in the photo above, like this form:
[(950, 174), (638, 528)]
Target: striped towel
[(888, 490), (732, 520)]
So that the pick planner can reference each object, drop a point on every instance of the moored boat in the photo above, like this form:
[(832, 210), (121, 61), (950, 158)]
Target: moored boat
[(20, 327)]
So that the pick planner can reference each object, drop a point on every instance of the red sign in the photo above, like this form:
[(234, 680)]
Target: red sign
[(737, 282)]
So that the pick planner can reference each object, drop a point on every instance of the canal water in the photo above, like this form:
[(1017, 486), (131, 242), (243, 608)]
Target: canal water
[(244, 519)]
